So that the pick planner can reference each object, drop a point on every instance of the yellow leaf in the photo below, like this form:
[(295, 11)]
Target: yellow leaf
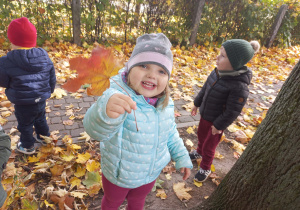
[(198, 184), (233, 128), (3, 121), (181, 191), (92, 165), (161, 193), (212, 168), (49, 205), (82, 158), (67, 157), (238, 147), (78, 194), (246, 118), (190, 130), (158, 30), (33, 159), (80, 171), (168, 176), (8, 181), (6, 114), (58, 150), (189, 143), (85, 136), (75, 182), (58, 93), (218, 155), (75, 146), (189, 59), (249, 133)]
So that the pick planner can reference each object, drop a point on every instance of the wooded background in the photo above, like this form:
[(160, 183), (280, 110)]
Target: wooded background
[(185, 22)]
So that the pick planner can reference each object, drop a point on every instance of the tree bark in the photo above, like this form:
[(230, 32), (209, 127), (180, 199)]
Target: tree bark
[(267, 175), (137, 14), (196, 22), (76, 21), (276, 25)]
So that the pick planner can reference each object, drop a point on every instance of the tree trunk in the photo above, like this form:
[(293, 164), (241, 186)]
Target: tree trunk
[(267, 175), (76, 21), (137, 14), (196, 22), (276, 25)]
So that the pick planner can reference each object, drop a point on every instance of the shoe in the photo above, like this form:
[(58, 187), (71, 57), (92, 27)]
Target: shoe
[(194, 155), (23, 150), (42, 141), (202, 175)]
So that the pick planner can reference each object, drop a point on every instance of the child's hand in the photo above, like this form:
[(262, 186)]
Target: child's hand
[(194, 110), (214, 131), (118, 104), (186, 171)]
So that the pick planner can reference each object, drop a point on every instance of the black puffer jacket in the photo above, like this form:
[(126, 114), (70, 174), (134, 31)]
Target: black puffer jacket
[(222, 99)]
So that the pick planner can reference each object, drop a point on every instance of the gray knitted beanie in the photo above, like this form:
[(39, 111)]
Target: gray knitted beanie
[(152, 49), (239, 52)]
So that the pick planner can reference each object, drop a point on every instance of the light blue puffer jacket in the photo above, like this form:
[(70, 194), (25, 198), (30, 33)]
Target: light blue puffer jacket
[(131, 158)]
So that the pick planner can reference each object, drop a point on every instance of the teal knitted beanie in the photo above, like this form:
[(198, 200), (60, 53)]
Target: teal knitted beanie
[(239, 52)]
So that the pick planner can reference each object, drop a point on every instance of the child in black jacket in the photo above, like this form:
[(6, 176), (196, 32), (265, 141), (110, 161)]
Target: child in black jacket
[(28, 75), (221, 99)]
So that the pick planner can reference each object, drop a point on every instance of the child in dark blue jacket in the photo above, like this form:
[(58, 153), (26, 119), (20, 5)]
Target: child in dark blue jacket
[(28, 75)]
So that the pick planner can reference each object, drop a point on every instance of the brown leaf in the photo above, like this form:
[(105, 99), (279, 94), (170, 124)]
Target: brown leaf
[(181, 191)]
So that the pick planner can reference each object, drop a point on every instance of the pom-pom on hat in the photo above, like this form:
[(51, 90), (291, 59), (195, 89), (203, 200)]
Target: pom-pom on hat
[(240, 52), (21, 32), (152, 49)]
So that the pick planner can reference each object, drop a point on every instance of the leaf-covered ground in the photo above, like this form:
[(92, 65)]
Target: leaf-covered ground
[(68, 176)]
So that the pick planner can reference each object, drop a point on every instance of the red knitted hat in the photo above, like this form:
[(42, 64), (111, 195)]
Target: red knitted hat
[(22, 33)]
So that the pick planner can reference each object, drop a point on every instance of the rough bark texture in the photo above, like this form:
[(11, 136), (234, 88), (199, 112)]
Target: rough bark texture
[(76, 21), (267, 175), (196, 22), (276, 25)]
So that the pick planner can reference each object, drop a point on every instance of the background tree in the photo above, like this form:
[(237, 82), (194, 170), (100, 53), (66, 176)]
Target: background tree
[(76, 21), (267, 174), (196, 21)]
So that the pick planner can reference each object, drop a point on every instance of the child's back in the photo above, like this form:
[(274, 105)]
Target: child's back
[(28, 75)]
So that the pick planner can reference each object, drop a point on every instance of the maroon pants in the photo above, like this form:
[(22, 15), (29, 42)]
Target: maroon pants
[(115, 195), (207, 143)]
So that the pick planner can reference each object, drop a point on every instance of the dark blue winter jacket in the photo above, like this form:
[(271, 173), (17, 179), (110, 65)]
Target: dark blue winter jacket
[(28, 76)]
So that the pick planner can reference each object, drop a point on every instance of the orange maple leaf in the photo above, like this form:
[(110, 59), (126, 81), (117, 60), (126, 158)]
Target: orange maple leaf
[(95, 71)]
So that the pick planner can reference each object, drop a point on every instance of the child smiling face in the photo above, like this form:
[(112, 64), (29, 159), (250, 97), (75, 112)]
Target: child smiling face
[(223, 62), (148, 80)]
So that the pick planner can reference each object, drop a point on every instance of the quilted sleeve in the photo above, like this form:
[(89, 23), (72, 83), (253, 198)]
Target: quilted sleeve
[(96, 122), (177, 149)]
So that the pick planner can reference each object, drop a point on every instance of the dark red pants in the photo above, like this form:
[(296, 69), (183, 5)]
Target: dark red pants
[(207, 143), (115, 195)]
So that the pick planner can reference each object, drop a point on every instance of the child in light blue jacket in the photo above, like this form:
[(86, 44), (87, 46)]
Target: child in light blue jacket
[(135, 124)]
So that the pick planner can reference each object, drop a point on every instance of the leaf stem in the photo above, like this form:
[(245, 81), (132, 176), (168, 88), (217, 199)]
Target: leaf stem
[(129, 96)]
